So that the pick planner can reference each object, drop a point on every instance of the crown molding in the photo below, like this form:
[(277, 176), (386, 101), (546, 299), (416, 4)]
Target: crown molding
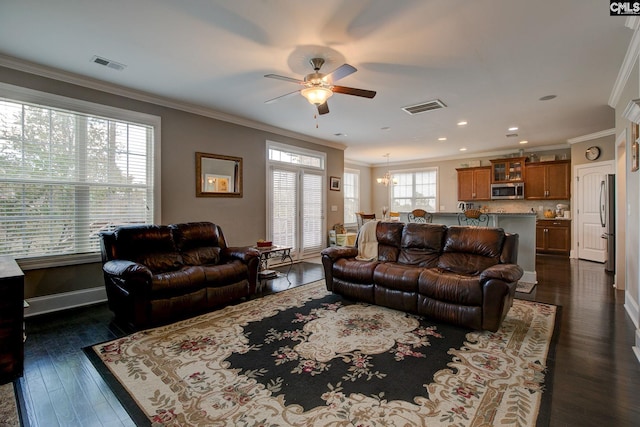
[(91, 83), (629, 61), (591, 136)]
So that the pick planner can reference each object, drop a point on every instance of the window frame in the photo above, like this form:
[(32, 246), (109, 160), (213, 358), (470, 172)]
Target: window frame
[(357, 198), (30, 96), (413, 198)]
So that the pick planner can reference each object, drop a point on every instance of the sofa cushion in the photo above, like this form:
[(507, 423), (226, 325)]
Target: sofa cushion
[(351, 270), (199, 242), (150, 245), (178, 282), (397, 276), (470, 250), (225, 274), (442, 285), (389, 236), (421, 244)]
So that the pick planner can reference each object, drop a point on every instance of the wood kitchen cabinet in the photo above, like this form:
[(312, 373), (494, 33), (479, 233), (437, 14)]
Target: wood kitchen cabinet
[(508, 170), (548, 181), (474, 184), (553, 236), (11, 320)]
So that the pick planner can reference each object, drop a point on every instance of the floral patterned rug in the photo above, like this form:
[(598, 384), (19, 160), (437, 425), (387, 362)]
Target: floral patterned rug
[(306, 357)]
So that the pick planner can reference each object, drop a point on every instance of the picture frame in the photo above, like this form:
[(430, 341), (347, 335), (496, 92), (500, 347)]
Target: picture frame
[(334, 183), (635, 162)]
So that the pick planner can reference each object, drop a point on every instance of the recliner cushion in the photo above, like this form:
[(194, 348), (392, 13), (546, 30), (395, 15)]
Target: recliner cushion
[(150, 245), (199, 242), (471, 250), (442, 285), (421, 244)]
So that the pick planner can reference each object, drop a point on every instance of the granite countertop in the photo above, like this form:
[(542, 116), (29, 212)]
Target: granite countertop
[(492, 213)]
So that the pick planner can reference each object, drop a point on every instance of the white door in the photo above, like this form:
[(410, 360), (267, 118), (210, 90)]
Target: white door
[(297, 210), (591, 245)]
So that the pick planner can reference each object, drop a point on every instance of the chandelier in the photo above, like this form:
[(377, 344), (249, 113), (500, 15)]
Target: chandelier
[(387, 178)]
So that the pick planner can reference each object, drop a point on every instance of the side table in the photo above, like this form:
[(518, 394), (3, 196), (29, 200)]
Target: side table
[(270, 252)]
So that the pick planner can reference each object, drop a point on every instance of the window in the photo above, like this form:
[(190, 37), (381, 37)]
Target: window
[(351, 188), (417, 189), (69, 173)]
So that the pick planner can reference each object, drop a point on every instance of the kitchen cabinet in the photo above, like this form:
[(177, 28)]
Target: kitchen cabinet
[(508, 170), (474, 184), (11, 320), (553, 236), (548, 181)]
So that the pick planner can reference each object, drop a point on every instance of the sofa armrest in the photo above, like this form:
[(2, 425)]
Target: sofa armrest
[(128, 275), (507, 272), (242, 253), (336, 252)]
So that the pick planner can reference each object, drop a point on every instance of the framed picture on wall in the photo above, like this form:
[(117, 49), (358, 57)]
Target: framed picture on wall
[(334, 183)]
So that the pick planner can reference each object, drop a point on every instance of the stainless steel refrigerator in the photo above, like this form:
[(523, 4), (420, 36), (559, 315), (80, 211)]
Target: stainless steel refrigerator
[(608, 219)]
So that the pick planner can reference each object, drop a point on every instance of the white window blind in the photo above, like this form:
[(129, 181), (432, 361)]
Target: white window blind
[(414, 190), (312, 213), (284, 215), (351, 188), (66, 175)]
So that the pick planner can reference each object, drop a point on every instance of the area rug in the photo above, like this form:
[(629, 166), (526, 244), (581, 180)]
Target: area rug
[(525, 287), (306, 357)]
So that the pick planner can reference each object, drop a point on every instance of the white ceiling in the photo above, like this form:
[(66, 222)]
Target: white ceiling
[(488, 61)]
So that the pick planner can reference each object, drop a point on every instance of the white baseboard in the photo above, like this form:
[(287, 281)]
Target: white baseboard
[(632, 309), (636, 348), (64, 301), (529, 277)]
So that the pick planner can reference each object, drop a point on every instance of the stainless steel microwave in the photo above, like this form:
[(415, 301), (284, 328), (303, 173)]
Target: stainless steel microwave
[(507, 191)]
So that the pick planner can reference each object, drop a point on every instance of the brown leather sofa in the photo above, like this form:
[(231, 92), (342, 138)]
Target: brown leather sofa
[(461, 275), (155, 274)]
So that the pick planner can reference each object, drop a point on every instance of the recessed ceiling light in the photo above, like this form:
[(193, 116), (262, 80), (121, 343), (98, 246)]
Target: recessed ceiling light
[(462, 123), (523, 142), (463, 149), (385, 128), (339, 134), (547, 97), (513, 128), (442, 138), (511, 135)]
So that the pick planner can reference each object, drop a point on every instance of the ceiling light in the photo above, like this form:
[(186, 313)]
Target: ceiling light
[(387, 178), (462, 123), (523, 142), (442, 139), (547, 97), (385, 128), (463, 149), (316, 95), (513, 128)]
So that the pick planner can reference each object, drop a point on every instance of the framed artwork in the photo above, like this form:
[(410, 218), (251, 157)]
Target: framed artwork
[(334, 183), (634, 156)]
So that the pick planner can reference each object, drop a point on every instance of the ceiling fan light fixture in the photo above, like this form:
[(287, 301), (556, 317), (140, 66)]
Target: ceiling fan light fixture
[(316, 95)]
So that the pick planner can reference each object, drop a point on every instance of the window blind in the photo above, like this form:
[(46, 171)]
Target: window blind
[(414, 190), (66, 175), (351, 188)]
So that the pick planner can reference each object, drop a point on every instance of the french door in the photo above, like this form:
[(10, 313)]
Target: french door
[(296, 208)]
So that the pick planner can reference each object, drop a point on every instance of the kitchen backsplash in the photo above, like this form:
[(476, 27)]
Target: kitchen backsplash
[(539, 206)]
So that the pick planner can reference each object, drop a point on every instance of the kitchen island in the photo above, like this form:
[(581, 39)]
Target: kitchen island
[(522, 223)]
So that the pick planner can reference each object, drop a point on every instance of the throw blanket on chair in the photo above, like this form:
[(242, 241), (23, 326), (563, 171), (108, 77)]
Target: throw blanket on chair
[(367, 242)]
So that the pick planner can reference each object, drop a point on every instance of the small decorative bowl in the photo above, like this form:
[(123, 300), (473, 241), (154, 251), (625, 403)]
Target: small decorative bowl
[(549, 214), (264, 244)]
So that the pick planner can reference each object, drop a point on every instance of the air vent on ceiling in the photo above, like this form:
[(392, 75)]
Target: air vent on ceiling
[(108, 63), (423, 107)]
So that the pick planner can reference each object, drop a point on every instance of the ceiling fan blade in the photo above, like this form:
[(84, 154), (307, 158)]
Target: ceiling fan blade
[(323, 108), (342, 71), (295, 92), (285, 78), (353, 91)]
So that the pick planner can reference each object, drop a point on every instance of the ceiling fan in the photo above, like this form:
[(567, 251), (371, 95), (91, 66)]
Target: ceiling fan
[(319, 87)]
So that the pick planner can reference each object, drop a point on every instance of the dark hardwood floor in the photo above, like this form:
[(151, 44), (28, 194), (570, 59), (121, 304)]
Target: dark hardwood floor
[(596, 382)]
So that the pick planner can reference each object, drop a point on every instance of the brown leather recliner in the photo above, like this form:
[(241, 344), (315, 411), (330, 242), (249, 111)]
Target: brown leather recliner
[(461, 275), (156, 274)]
